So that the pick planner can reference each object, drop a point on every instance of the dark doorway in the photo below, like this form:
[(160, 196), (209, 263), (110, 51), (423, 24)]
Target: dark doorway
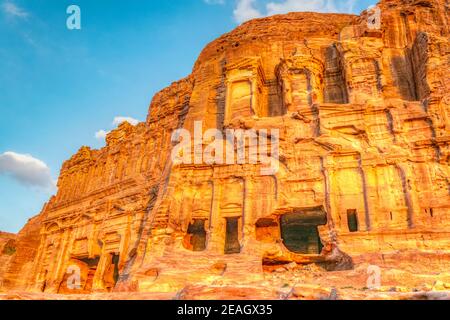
[(352, 220), (232, 244), (115, 261), (197, 235), (44, 285), (92, 269), (299, 231)]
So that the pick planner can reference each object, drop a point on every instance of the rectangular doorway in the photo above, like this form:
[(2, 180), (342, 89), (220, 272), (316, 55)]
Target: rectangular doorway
[(352, 220), (232, 244)]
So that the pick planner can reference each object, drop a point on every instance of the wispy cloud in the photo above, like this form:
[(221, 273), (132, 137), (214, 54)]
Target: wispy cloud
[(13, 10), (130, 120), (27, 170), (101, 134), (214, 1), (249, 9), (245, 10)]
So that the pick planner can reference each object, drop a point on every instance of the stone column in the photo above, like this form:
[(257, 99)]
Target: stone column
[(214, 237)]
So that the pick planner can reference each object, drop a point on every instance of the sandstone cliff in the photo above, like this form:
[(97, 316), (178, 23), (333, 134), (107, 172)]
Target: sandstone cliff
[(363, 162), (7, 250)]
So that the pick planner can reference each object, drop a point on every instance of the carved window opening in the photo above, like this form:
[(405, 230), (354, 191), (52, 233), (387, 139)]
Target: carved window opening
[(195, 238), (232, 244), (241, 100), (301, 87), (267, 230), (410, 69), (335, 88), (245, 84), (299, 83), (352, 220), (277, 105), (404, 77), (419, 62), (299, 231)]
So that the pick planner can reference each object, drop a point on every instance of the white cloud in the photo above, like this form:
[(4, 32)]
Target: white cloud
[(101, 134), (310, 5), (13, 10), (295, 5), (26, 170), (119, 120), (245, 10), (214, 1)]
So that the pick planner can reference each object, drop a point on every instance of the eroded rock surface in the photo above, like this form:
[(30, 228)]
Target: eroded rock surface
[(7, 250), (363, 171)]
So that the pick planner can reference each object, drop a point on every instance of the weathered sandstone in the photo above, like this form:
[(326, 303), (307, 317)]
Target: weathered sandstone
[(7, 250)]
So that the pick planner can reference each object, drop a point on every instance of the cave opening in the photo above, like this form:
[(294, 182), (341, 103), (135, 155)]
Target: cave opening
[(196, 235), (299, 231), (232, 244)]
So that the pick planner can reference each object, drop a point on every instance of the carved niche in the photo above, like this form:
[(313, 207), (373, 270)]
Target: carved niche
[(299, 79), (245, 82)]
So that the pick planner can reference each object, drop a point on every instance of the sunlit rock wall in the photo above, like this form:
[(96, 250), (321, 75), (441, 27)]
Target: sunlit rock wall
[(363, 160)]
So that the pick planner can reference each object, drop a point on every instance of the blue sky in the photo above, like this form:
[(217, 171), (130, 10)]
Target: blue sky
[(59, 87)]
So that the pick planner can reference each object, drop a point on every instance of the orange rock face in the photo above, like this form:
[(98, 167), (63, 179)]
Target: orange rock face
[(362, 164), (7, 250)]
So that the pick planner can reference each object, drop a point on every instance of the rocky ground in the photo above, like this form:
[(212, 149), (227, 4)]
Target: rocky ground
[(408, 280)]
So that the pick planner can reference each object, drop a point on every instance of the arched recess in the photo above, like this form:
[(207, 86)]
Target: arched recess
[(52, 227)]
